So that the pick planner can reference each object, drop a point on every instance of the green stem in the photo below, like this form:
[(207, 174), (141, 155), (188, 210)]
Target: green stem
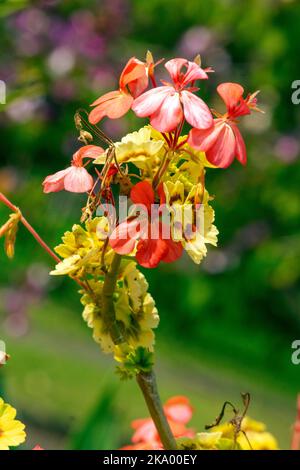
[(147, 383)]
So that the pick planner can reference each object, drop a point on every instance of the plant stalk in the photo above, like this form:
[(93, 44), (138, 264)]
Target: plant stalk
[(108, 308), (148, 386), (146, 381), (29, 227)]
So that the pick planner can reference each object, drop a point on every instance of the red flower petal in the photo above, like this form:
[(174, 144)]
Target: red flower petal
[(142, 193), (222, 152), (125, 235), (241, 153), (151, 252), (174, 251), (231, 93), (134, 72), (203, 139)]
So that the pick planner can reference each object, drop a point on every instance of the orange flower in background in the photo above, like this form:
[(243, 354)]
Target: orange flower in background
[(75, 178), (296, 430), (223, 141), (133, 81), (38, 447), (178, 411)]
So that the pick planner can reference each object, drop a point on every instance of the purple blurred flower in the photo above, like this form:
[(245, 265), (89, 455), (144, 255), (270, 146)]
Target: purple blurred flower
[(287, 148)]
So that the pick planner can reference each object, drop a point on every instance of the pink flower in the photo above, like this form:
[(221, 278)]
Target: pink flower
[(223, 141), (138, 231), (167, 105), (133, 81), (75, 178), (178, 412)]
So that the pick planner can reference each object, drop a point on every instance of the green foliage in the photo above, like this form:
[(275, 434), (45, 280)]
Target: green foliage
[(241, 307), (101, 426)]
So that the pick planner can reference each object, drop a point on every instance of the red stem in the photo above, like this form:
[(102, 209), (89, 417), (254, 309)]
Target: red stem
[(26, 224)]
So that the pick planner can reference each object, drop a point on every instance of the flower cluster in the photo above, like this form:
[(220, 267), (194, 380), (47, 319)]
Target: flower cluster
[(135, 312), (178, 410), (160, 171)]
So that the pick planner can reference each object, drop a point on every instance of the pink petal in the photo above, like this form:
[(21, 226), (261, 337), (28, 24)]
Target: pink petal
[(125, 235), (148, 103), (222, 152), (241, 153), (87, 151), (231, 93), (194, 72), (55, 182), (174, 67), (196, 112), (114, 107), (142, 193), (145, 431), (169, 115), (107, 97), (78, 180), (203, 139), (178, 409)]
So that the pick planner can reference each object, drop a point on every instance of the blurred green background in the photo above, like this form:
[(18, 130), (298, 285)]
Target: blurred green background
[(226, 326)]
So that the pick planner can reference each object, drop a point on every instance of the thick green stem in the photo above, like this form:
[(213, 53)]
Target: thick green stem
[(147, 383), (108, 311)]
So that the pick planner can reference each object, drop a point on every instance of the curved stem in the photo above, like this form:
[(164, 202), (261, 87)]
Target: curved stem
[(147, 383), (29, 227)]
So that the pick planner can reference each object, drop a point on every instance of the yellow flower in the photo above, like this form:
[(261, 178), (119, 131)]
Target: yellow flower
[(137, 148), (194, 228), (82, 248), (135, 310), (254, 435), (202, 441), (11, 431)]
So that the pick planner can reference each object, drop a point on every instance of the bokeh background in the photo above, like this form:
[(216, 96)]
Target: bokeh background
[(226, 326)]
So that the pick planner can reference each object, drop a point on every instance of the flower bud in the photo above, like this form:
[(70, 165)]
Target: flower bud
[(9, 231)]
